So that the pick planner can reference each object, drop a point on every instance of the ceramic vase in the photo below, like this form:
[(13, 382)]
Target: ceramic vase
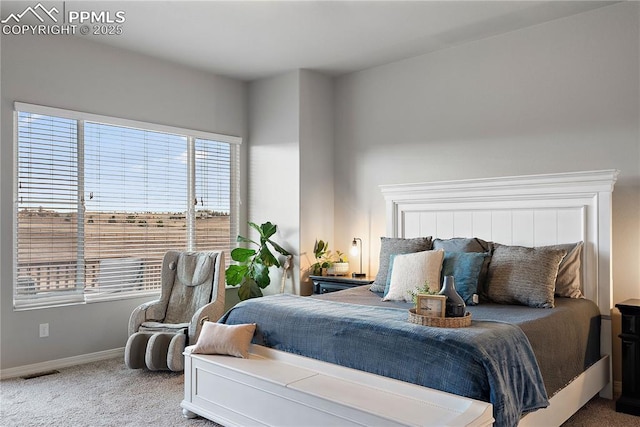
[(455, 306)]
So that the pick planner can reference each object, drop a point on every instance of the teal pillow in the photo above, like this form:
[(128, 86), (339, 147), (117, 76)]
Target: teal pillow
[(473, 244), (465, 268)]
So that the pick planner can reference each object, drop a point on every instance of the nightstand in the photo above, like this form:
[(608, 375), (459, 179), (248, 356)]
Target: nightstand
[(326, 284), (629, 402)]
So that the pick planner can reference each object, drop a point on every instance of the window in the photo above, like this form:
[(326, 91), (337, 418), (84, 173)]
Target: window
[(100, 200)]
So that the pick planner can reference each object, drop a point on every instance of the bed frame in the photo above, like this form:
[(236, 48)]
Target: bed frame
[(531, 210), (524, 210)]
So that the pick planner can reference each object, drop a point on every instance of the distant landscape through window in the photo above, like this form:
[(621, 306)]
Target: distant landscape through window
[(99, 204)]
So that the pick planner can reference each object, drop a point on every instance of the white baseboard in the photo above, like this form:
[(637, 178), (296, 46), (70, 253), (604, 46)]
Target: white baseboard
[(20, 371)]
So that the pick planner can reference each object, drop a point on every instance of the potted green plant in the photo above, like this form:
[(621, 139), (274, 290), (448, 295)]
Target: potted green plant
[(424, 289), (339, 264), (252, 271), (333, 263), (320, 249)]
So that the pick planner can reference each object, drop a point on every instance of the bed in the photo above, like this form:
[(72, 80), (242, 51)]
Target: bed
[(545, 383)]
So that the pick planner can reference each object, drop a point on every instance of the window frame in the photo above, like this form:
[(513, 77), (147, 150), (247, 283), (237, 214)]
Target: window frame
[(80, 295)]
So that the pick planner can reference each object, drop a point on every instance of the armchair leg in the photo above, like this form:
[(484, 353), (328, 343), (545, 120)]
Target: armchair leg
[(175, 359), (156, 354), (134, 351)]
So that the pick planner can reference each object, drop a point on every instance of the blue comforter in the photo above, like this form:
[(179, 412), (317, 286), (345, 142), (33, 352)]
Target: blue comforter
[(489, 361)]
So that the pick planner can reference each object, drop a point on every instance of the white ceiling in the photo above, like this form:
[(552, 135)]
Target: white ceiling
[(254, 39)]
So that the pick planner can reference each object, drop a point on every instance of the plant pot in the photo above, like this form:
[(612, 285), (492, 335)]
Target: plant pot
[(338, 269)]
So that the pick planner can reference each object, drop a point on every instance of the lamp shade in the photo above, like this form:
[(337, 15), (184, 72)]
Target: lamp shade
[(354, 248), (355, 251)]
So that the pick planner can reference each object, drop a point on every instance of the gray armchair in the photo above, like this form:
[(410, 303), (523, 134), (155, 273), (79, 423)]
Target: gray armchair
[(193, 286)]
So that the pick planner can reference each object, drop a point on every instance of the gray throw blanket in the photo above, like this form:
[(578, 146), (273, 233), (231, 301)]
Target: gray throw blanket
[(488, 361)]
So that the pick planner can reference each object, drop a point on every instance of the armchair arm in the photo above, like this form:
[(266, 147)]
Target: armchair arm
[(142, 313), (210, 312)]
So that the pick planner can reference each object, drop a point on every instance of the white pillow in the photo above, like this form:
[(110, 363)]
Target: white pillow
[(218, 338), (411, 271)]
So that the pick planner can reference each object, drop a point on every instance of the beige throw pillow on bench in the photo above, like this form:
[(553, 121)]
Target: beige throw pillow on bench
[(218, 338)]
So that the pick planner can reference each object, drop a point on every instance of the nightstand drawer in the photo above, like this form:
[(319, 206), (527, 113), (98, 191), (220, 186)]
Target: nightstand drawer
[(331, 287), (631, 324), (326, 284)]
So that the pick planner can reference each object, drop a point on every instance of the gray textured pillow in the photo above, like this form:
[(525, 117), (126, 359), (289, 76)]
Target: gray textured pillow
[(520, 275), (473, 244), (462, 244), (393, 246), (569, 281)]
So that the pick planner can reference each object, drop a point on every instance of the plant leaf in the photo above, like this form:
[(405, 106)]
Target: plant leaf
[(246, 240), (234, 274), (242, 254), (319, 248), (279, 248), (249, 289), (267, 258), (261, 275), (255, 227), (267, 230)]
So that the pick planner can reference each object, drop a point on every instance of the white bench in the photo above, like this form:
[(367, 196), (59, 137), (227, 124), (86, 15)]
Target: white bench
[(274, 388)]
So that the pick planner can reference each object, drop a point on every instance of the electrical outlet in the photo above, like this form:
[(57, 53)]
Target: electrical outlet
[(44, 330)]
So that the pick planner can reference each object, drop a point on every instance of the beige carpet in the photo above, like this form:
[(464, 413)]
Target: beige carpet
[(601, 412), (108, 394), (96, 394)]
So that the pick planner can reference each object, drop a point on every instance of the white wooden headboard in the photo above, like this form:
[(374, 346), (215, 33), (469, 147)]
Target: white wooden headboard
[(532, 210)]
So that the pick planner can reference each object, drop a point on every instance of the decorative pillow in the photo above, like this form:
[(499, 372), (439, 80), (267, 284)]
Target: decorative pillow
[(388, 284), (411, 271), (395, 245), (568, 283), (462, 244), (520, 275), (465, 267), (218, 338)]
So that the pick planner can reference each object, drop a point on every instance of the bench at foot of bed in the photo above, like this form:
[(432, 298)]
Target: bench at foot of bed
[(275, 388)]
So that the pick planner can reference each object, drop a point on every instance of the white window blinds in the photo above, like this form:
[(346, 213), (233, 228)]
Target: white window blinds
[(47, 209), (213, 181), (135, 203), (100, 203)]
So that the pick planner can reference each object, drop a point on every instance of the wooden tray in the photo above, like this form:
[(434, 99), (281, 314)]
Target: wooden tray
[(440, 322)]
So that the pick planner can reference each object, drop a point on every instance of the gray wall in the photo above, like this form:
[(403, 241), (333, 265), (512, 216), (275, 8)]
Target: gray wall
[(316, 170), (291, 165), (69, 72), (274, 163), (558, 97)]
